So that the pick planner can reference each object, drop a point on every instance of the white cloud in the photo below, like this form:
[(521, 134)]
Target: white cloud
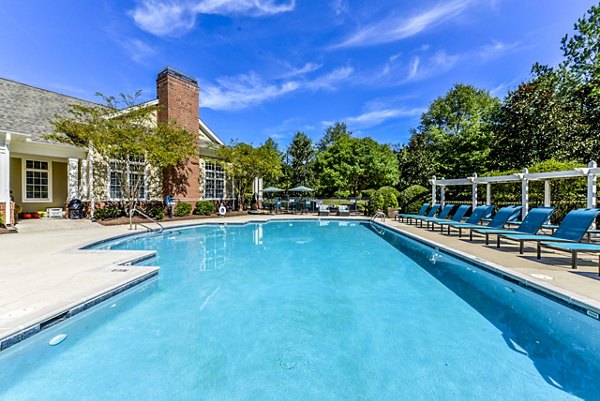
[(246, 90), (398, 28), (339, 7), (305, 69), (328, 81), (177, 17), (376, 117), (242, 91), (138, 50)]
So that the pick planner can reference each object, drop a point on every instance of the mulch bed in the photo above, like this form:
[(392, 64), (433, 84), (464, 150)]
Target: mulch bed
[(138, 219)]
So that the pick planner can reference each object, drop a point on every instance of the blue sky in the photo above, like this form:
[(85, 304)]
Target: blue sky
[(269, 68)]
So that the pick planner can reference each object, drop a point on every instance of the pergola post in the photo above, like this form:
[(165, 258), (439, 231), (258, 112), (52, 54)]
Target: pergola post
[(488, 193), (547, 193), (591, 187), (524, 194), (443, 194), (474, 191), (433, 191)]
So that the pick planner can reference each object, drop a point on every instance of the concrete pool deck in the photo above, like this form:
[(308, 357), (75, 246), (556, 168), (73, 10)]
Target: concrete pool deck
[(44, 273)]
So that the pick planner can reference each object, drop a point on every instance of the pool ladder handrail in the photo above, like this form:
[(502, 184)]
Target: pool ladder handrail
[(160, 229), (379, 215)]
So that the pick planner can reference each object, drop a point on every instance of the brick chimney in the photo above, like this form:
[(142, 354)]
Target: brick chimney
[(178, 97)]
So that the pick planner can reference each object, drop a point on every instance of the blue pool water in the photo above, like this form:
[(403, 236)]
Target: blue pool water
[(310, 311)]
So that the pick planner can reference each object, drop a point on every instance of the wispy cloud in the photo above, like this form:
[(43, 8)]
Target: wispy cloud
[(425, 66), (377, 117), (339, 6), (398, 28), (246, 90), (299, 71), (138, 50), (232, 93), (175, 18)]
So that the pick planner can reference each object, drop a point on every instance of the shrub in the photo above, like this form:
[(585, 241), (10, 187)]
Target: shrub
[(376, 203), (367, 193), (383, 199), (204, 208), (183, 209), (1, 220), (411, 199), (108, 212), (157, 212)]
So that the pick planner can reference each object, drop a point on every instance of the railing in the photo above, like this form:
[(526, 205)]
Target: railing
[(160, 229), (380, 216)]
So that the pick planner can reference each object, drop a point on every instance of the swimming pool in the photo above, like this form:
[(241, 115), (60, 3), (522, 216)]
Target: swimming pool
[(310, 310)]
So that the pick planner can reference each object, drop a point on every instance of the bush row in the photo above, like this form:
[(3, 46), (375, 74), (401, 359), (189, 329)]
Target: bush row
[(155, 210)]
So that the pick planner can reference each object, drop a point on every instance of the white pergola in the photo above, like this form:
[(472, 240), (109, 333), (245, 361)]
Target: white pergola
[(591, 172)]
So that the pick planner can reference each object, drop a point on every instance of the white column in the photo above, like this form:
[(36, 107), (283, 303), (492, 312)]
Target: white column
[(91, 181), (547, 193), (488, 193), (443, 195), (5, 178), (433, 191), (591, 187), (73, 178), (474, 191), (83, 186), (524, 194)]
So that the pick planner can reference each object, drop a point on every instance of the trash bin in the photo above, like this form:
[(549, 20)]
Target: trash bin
[(76, 209)]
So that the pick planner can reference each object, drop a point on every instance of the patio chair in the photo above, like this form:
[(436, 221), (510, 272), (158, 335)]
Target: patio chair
[(480, 212), (572, 228), (324, 210), (457, 216), (443, 215), (531, 224), (434, 209), (499, 220), (344, 210), (401, 216)]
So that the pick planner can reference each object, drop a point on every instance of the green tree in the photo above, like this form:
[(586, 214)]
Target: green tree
[(244, 163), (333, 133), (127, 132), (535, 121), (300, 159), (454, 137), (582, 80), (271, 146), (349, 165)]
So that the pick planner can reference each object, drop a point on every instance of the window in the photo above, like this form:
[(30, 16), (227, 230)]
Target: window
[(37, 175), (123, 175), (214, 181)]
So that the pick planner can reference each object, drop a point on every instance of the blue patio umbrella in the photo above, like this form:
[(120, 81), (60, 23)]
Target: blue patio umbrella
[(301, 188)]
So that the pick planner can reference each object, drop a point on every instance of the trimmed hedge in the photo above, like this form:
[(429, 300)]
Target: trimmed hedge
[(183, 209), (204, 208)]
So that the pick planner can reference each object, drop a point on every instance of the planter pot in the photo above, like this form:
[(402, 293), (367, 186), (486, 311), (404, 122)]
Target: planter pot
[(392, 213)]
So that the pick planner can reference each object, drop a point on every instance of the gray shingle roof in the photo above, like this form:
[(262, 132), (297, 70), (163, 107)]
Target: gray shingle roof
[(28, 110)]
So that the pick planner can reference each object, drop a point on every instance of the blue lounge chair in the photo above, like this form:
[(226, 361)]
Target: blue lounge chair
[(570, 230), (573, 248), (434, 209), (480, 212), (443, 215), (531, 225), (499, 220), (421, 212), (457, 216)]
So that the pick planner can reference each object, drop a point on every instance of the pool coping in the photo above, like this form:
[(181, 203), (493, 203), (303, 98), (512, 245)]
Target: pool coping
[(61, 314), (572, 300)]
